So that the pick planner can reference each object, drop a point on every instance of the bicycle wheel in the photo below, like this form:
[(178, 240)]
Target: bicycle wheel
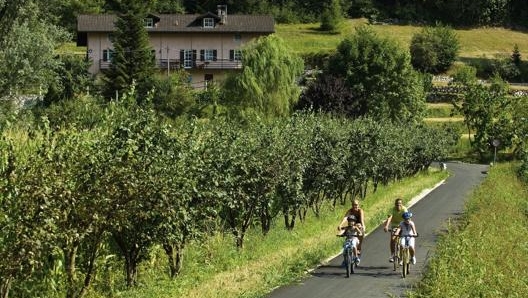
[(353, 263), (406, 261), (348, 262), (396, 255)]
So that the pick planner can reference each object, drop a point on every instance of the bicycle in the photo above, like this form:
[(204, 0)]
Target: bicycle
[(397, 253), (405, 255), (351, 259)]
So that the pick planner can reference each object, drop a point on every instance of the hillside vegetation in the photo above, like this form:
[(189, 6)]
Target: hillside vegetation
[(474, 42)]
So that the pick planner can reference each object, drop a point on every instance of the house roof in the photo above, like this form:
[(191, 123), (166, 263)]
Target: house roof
[(183, 23)]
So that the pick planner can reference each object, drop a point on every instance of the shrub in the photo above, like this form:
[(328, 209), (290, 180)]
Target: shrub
[(434, 49)]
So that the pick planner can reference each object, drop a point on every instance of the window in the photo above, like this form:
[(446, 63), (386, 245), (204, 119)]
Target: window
[(187, 58), (149, 22), (237, 38), (208, 55), (235, 55), (208, 23), (108, 55)]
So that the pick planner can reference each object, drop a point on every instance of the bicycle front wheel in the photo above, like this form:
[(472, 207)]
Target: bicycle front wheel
[(406, 262), (348, 262)]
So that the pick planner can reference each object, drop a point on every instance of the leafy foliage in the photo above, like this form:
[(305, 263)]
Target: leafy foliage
[(434, 49), (380, 76), (267, 84), (27, 59), (485, 110), (330, 94)]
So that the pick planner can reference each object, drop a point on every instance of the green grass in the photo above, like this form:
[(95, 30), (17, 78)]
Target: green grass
[(215, 269), (440, 110), (486, 253)]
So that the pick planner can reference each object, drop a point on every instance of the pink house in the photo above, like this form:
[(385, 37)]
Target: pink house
[(206, 46)]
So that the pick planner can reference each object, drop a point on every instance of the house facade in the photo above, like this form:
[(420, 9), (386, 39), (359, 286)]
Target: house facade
[(207, 46)]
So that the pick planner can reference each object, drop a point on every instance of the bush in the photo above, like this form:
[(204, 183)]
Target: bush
[(434, 49)]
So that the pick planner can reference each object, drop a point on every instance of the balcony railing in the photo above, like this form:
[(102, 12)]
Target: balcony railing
[(191, 64)]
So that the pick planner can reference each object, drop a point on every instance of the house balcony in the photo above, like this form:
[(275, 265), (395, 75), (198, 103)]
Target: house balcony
[(189, 64)]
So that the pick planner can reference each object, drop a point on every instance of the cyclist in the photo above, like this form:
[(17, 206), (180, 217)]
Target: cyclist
[(393, 220), (408, 228), (351, 231), (360, 216)]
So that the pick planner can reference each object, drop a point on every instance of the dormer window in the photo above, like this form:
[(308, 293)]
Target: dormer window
[(149, 22), (208, 23)]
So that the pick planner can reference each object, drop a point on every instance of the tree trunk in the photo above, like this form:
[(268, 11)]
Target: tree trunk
[(91, 265), (131, 254), (70, 254), (265, 220), (131, 269), (174, 253), (5, 286)]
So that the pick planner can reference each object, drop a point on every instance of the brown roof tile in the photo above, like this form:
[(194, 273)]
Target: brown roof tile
[(183, 23)]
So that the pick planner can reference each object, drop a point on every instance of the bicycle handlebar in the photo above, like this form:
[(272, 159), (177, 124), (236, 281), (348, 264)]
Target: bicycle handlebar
[(409, 235)]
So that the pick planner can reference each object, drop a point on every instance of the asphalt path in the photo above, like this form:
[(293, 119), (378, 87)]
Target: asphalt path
[(375, 276)]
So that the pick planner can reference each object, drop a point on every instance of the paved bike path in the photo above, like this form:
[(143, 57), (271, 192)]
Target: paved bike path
[(375, 276)]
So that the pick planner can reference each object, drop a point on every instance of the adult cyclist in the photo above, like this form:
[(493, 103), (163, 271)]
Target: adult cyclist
[(358, 213), (393, 221)]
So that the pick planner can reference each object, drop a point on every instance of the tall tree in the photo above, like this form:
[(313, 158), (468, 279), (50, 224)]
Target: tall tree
[(267, 84), (379, 74), (132, 62)]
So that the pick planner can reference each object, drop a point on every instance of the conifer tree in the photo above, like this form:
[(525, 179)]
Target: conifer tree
[(133, 62)]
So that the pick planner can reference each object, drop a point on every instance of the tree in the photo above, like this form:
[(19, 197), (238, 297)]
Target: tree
[(332, 16), (174, 96), (72, 78), (9, 13), (434, 49), (267, 84), (380, 77), (132, 61), (329, 94), (27, 58), (485, 110)]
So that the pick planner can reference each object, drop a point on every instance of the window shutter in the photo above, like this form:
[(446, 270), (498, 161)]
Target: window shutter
[(214, 55), (181, 56), (202, 55), (231, 55)]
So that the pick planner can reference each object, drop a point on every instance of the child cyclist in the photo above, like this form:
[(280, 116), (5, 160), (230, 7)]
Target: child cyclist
[(408, 228), (393, 222), (352, 231)]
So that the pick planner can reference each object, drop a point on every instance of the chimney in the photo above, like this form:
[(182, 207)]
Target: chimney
[(222, 13)]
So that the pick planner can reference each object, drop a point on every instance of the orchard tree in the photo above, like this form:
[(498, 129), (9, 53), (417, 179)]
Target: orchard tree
[(380, 77), (267, 84)]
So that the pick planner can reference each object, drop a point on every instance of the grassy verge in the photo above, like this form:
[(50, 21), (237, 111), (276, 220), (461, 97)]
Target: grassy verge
[(215, 269), (486, 253)]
